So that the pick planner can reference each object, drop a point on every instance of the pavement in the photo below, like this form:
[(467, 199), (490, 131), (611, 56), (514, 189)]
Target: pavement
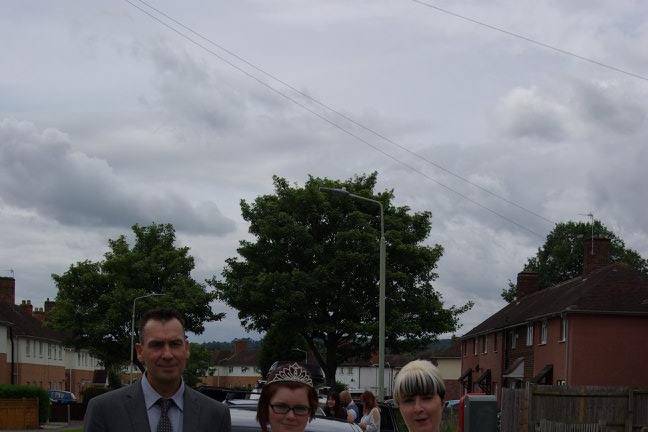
[(54, 427)]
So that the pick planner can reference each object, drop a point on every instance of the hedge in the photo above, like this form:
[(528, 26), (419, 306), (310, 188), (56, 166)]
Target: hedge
[(8, 391)]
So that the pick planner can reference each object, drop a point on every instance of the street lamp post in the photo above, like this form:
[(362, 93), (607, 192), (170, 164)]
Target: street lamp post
[(132, 345), (381, 298)]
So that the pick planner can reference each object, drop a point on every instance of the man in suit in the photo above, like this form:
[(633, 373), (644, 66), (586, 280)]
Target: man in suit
[(160, 401)]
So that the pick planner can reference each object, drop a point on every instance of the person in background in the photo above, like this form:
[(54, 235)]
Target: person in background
[(334, 407), (370, 421), (353, 413), (419, 392), (288, 401)]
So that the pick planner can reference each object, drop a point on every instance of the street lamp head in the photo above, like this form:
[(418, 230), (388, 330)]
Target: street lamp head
[(336, 191)]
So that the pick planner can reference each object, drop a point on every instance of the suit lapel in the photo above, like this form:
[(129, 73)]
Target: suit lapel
[(136, 408), (191, 413)]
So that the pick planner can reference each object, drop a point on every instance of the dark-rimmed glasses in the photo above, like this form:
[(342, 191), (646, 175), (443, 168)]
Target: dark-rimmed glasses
[(298, 410)]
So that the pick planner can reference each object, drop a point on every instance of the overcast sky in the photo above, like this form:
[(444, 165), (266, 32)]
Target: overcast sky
[(108, 118)]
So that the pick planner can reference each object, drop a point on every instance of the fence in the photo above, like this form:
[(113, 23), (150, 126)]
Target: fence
[(19, 413), (602, 408)]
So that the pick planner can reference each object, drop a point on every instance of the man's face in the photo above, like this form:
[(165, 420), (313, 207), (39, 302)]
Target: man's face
[(164, 351)]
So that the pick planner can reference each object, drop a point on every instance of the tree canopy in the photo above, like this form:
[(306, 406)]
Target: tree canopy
[(95, 299), (312, 268), (560, 258)]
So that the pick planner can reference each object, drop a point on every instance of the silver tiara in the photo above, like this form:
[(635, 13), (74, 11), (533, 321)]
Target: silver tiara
[(292, 373)]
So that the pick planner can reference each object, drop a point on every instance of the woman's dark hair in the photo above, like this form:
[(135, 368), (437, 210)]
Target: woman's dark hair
[(368, 401), (268, 392), (338, 410)]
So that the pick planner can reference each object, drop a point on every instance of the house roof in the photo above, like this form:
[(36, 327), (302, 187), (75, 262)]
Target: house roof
[(615, 288), (25, 325), (242, 358)]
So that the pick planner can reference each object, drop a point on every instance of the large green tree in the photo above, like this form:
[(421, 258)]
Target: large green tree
[(95, 299), (560, 258), (281, 344), (200, 359), (312, 268)]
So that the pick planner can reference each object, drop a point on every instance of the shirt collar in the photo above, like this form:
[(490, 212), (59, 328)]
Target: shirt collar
[(151, 396)]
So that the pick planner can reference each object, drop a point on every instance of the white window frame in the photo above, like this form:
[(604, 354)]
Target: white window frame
[(514, 338), (529, 336), (475, 345), (564, 327), (544, 332), (484, 344), (27, 349), (495, 342)]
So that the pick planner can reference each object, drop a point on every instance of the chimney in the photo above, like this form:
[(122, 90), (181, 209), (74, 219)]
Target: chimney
[(527, 283), (596, 254), (8, 290), (49, 305), (240, 346), (39, 314), (26, 307)]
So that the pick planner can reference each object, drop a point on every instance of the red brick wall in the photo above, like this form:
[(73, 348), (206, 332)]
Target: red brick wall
[(608, 350), (5, 370), (490, 360), (42, 376), (453, 389), (553, 352), (229, 381), (80, 380)]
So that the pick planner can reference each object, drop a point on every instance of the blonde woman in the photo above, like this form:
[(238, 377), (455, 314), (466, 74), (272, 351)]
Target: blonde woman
[(419, 392)]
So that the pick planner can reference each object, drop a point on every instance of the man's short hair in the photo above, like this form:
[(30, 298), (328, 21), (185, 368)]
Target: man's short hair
[(159, 314)]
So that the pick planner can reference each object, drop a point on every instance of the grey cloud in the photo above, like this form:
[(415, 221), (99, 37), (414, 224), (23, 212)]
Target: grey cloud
[(523, 112), (41, 171), (609, 106)]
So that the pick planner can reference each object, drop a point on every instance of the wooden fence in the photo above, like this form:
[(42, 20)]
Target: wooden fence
[(602, 408), (18, 414)]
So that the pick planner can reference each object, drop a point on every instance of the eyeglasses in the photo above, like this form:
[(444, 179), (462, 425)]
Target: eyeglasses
[(298, 410)]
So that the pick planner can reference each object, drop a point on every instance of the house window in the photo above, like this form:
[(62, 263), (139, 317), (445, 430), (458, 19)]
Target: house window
[(543, 332), (40, 350), (28, 349), (563, 329), (49, 351), (244, 369), (529, 340), (349, 371), (475, 346), (463, 348), (483, 343), (514, 337), (230, 369), (495, 342)]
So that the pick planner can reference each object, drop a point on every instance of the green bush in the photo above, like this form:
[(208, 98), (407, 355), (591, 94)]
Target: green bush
[(93, 391), (8, 391)]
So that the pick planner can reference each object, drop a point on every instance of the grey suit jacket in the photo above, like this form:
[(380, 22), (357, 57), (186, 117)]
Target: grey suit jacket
[(124, 410)]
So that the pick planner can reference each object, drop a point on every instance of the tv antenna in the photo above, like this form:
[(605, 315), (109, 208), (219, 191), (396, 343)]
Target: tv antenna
[(591, 217)]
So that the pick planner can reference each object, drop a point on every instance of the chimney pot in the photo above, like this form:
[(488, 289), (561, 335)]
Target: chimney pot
[(527, 283), (596, 254), (7, 290)]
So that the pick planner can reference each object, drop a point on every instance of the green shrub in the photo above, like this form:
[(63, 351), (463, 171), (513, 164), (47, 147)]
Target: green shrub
[(8, 391), (93, 391)]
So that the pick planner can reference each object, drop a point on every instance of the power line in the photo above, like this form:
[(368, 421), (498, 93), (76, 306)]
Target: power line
[(327, 120), (344, 116), (528, 39)]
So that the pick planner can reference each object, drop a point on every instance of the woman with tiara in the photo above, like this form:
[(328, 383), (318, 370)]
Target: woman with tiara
[(288, 401)]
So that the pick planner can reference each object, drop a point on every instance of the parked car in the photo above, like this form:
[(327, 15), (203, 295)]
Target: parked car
[(251, 405), (61, 397), (244, 420)]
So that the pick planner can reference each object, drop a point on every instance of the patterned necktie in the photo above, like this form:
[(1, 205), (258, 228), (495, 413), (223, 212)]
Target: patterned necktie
[(164, 425)]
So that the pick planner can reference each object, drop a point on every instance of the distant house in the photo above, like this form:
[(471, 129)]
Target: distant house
[(234, 369), (361, 375), (590, 330), (33, 354)]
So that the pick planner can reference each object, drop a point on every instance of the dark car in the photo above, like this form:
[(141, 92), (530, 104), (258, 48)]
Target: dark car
[(61, 397), (245, 421)]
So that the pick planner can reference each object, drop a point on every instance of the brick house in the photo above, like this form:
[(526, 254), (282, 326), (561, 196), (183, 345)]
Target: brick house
[(33, 354), (589, 330), (236, 368)]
